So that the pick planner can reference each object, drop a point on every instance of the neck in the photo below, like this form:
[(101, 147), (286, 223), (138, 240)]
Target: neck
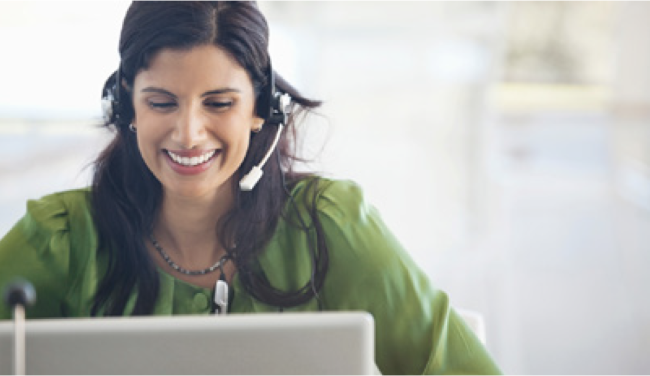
[(187, 227)]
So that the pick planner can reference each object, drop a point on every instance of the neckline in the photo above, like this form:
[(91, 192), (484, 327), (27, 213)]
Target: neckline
[(233, 285)]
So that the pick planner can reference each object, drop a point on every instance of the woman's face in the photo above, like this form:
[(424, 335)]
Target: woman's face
[(194, 111)]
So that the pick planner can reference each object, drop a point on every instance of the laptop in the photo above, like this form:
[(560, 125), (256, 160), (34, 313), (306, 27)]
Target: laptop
[(276, 343)]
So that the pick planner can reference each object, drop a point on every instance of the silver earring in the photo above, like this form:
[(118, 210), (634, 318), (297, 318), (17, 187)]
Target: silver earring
[(132, 128)]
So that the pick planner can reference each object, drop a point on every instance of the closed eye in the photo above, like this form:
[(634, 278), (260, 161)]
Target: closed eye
[(219, 105), (162, 105)]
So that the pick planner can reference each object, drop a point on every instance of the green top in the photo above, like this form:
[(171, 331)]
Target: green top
[(54, 246)]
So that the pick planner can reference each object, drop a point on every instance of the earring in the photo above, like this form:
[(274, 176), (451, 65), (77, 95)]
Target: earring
[(257, 130), (132, 128)]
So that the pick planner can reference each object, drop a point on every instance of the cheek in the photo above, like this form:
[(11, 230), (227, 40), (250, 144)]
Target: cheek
[(239, 146), (235, 134), (149, 143), (146, 152), (145, 138)]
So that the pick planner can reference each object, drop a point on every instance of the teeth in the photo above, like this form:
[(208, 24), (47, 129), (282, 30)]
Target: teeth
[(193, 161)]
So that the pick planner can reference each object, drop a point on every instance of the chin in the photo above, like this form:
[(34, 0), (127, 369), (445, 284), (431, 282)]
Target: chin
[(188, 190)]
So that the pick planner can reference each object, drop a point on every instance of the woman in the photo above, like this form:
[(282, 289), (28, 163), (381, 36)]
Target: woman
[(196, 106)]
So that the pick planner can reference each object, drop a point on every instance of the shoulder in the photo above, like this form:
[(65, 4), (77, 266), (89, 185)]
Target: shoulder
[(74, 200), (56, 212), (50, 246), (319, 210), (59, 228), (355, 233), (342, 201)]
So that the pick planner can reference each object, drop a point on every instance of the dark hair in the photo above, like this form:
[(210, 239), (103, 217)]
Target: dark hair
[(126, 195)]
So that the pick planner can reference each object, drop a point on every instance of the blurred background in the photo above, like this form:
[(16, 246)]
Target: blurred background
[(507, 144)]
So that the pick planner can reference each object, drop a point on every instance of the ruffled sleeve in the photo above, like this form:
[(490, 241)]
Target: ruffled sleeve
[(416, 329), (41, 249)]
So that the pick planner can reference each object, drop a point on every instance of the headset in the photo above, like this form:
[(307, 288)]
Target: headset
[(272, 106)]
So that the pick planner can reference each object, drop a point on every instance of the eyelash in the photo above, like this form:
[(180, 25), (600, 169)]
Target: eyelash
[(161, 105), (219, 105), (169, 105)]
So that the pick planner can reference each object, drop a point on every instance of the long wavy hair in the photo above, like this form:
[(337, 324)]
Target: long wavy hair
[(126, 195)]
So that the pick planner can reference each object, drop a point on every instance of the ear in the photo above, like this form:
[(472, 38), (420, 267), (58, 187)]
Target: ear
[(257, 124), (125, 85)]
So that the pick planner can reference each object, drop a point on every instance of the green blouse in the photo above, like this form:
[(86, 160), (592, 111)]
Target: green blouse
[(54, 246)]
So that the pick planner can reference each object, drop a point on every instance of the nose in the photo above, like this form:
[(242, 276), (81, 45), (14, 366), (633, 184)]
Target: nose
[(190, 129)]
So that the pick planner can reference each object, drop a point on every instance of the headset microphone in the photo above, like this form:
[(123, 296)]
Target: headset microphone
[(248, 182), (275, 107)]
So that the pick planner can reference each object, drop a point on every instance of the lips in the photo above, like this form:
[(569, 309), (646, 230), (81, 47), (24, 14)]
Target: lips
[(191, 162)]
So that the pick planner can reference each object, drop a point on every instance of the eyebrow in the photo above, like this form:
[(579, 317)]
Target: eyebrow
[(152, 89)]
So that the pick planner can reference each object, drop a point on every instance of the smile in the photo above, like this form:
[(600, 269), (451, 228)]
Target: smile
[(191, 161)]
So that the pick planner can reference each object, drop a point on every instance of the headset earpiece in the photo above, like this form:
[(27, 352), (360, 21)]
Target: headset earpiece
[(111, 97), (273, 106), (280, 109)]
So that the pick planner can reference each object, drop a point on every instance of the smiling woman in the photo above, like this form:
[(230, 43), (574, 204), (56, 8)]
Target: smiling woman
[(194, 114), (195, 105)]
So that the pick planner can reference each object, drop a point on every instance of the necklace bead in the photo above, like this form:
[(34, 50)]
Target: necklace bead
[(177, 267)]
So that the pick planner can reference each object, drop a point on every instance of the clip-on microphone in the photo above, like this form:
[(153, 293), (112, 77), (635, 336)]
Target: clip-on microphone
[(221, 296), (18, 295)]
